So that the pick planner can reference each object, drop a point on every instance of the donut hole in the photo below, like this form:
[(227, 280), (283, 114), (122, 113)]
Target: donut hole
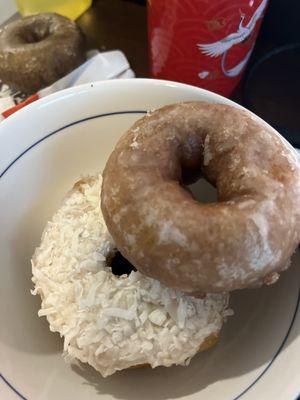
[(203, 191), (34, 33), (119, 265)]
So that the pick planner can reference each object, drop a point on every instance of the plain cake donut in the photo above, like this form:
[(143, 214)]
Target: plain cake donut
[(36, 51), (114, 322), (245, 239)]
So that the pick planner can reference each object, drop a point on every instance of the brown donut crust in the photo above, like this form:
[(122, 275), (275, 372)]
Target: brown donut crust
[(243, 240), (38, 50)]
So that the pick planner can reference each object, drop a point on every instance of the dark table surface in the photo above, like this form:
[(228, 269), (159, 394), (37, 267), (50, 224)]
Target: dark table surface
[(118, 24)]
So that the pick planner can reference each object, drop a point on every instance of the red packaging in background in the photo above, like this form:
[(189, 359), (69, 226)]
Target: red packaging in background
[(206, 43)]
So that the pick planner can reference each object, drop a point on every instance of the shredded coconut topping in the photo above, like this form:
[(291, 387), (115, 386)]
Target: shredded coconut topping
[(113, 322)]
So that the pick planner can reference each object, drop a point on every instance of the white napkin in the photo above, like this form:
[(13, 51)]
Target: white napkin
[(7, 9), (99, 66)]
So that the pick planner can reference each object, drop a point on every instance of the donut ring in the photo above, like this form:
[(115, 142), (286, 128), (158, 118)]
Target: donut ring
[(114, 322), (36, 51), (243, 240)]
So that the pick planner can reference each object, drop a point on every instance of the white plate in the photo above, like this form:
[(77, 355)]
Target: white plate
[(43, 149)]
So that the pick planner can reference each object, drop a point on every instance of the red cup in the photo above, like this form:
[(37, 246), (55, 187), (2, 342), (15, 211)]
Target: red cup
[(205, 43)]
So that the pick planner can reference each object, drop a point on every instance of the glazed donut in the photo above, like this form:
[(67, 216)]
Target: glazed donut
[(243, 240), (114, 322), (36, 51)]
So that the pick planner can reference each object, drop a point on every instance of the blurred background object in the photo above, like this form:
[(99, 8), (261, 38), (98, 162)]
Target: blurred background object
[(272, 84), (37, 50), (119, 24), (68, 8), (269, 87), (272, 90), (206, 44), (282, 22)]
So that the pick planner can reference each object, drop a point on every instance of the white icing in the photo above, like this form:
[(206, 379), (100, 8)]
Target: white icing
[(263, 254), (130, 239), (207, 154), (230, 273), (134, 144), (246, 204), (272, 278), (150, 112), (108, 321), (170, 234)]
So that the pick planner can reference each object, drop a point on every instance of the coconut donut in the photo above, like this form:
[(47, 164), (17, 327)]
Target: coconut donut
[(245, 239), (114, 322), (36, 51)]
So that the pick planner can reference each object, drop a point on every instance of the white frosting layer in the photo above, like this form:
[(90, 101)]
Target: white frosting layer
[(108, 321)]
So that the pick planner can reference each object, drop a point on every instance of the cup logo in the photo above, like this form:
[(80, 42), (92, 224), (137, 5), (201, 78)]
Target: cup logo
[(223, 46)]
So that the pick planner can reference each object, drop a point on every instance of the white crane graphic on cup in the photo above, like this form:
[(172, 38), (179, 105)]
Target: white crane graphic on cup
[(222, 46)]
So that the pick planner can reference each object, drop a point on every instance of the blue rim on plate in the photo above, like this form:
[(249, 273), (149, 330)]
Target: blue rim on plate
[(239, 396)]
